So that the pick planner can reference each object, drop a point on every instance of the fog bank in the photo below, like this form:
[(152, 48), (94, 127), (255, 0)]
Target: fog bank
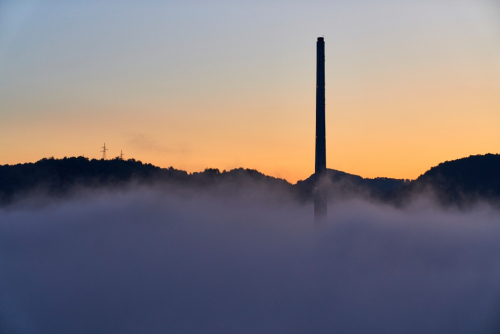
[(158, 261)]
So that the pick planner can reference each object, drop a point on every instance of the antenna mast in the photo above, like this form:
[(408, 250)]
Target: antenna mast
[(121, 155), (104, 149)]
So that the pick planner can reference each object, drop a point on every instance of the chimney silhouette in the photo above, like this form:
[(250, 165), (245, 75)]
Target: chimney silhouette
[(320, 202)]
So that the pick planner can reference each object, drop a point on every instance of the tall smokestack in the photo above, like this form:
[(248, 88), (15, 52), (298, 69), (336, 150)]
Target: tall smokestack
[(320, 207)]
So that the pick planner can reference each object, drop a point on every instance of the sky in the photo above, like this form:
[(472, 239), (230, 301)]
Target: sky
[(226, 84)]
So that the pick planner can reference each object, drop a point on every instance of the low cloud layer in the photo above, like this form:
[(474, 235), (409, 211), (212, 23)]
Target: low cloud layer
[(158, 261)]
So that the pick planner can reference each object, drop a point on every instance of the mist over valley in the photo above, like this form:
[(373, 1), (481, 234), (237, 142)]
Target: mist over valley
[(95, 246), (459, 183)]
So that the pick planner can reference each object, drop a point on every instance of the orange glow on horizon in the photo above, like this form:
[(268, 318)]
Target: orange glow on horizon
[(408, 85)]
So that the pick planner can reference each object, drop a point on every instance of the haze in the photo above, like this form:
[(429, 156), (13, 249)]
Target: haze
[(244, 260)]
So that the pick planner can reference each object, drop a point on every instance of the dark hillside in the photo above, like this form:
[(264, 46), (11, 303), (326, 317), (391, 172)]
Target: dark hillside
[(459, 182), (344, 184), (57, 177)]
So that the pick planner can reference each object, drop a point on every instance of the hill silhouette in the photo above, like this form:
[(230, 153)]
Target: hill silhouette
[(459, 182), (57, 177), (341, 184)]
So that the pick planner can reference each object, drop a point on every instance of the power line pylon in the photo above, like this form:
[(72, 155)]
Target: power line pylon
[(121, 155), (104, 149)]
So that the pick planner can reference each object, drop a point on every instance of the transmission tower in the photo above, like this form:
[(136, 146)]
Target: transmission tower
[(104, 149), (121, 155)]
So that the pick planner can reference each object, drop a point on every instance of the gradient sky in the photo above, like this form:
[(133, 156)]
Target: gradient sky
[(226, 84)]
